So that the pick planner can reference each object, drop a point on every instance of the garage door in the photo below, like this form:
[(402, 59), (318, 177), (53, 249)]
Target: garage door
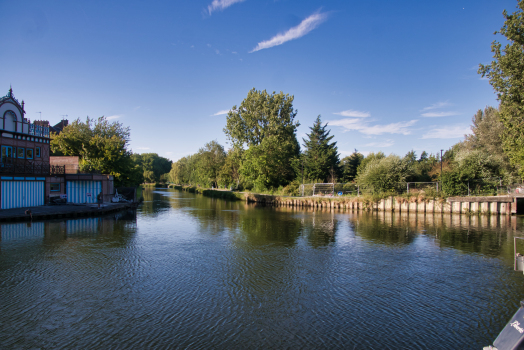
[(20, 194), (83, 191)]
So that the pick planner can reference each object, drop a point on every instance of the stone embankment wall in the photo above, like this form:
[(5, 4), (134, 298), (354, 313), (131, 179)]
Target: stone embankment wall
[(500, 205)]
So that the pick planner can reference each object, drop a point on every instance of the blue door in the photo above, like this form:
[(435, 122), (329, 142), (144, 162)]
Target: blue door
[(22, 194)]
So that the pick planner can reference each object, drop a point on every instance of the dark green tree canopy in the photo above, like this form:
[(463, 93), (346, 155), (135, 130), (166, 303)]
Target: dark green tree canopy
[(321, 159), (350, 165), (153, 166), (261, 115)]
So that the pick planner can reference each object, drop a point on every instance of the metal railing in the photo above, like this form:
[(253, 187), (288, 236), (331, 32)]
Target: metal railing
[(28, 167)]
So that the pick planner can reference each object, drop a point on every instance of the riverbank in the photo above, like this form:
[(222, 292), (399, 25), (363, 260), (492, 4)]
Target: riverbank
[(47, 212), (494, 205)]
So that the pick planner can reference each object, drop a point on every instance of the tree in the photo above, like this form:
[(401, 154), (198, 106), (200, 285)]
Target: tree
[(265, 125), (506, 74), (230, 171), (211, 160), (321, 159), (383, 174), (101, 146), (261, 115), (350, 165), (269, 165)]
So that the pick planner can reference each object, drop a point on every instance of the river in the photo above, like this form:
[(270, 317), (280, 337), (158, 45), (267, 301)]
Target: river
[(189, 272)]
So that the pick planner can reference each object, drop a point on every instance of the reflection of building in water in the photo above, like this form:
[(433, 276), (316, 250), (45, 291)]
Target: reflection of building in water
[(61, 230), (11, 232)]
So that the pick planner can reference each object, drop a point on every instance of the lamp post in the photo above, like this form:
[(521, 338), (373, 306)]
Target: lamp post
[(441, 169)]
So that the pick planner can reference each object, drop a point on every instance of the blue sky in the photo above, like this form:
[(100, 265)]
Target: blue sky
[(388, 76)]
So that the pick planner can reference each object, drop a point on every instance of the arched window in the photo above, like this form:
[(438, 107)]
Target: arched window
[(10, 121)]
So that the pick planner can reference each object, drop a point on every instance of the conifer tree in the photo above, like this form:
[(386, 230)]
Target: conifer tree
[(350, 165), (320, 157)]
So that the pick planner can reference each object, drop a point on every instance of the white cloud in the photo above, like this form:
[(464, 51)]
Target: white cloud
[(362, 126), (143, 148), (437, 105), (136, 108), (386, 143), (439, 114), (448, 132), (111, 117), (353, 113), (221, 4), (302, 29), (225, 111)]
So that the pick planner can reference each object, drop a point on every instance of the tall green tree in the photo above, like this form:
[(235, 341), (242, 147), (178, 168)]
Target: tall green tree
[(350, 165), (101, 146), (320, 156), (211, 160), (265, 125), (506, 75), (261, 115)]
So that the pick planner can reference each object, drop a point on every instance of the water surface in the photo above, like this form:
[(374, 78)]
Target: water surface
[(190, 272)]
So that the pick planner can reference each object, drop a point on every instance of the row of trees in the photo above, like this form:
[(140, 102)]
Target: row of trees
[(265, 154)]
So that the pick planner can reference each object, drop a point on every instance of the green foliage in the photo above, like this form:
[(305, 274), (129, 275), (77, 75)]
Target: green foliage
[(506, 74), (153, 166), (350, 165), (268, 165), (383, 174), (211, 159), (320, 157), (261, 115), (475, 167), (265, 125), (101, 147), (230, 171)]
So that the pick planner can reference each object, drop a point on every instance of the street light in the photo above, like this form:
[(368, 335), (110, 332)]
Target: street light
[(441, 163)]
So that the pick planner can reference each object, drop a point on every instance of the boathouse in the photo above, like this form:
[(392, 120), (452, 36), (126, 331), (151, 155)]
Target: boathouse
[(27, 177)]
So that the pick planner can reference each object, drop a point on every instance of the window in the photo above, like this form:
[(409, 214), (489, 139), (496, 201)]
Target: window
[(21, 152), (55, 187), (7, 152), (37, 152), (29, 153)]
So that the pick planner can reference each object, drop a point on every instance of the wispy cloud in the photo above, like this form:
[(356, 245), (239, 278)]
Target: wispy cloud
[(225, 111), (353, 113), (299, 31), (448, 132), (220, 5), (363, 126), (112, 117), (386, 143), (142, 148), (439, 114), (436, 106)]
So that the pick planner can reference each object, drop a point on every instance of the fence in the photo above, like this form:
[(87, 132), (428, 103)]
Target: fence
[(475, 187)]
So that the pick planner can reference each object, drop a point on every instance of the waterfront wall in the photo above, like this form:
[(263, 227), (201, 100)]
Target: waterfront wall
[(495, 205)]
